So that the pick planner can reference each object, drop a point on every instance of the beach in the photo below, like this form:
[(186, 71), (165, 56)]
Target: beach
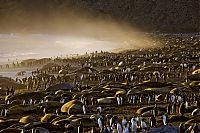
[(141, 90)]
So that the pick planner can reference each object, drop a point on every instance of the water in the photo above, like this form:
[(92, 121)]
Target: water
[(16, 47), (13, 74)]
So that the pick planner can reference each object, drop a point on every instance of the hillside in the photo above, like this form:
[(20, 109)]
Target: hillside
[(148, 15)]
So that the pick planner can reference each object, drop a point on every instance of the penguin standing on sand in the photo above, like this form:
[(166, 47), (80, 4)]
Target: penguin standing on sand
[(133, 125), (119, 127), (155, 110), (182, 109), (84, 110)]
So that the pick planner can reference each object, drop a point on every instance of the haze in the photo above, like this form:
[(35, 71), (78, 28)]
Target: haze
[(72, 34)]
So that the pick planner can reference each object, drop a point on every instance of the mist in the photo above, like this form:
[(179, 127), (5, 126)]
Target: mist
[(74, 32)]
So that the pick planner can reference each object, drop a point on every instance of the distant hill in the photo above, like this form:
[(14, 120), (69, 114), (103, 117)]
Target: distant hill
[(148, 15)]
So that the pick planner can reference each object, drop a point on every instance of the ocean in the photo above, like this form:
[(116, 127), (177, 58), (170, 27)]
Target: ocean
[(13, 74), (17, 47)]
